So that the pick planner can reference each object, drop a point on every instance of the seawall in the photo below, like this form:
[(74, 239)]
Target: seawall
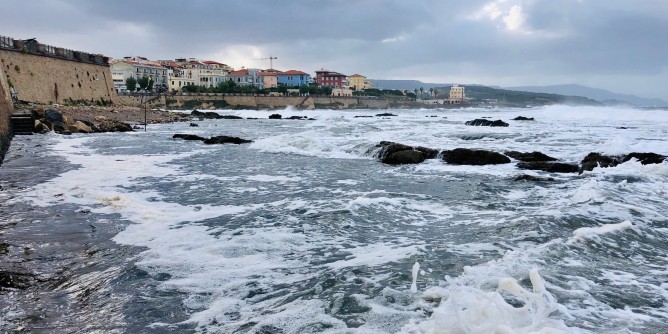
[(6, 108), (240, 101)]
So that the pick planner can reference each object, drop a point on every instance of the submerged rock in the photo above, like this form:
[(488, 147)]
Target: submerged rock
[(386, 114), (550, 167), (484, 122), (194, 124), (465, 156), (226, 140), (522, 118), (645, 158), (188, 137), (594, 159), (275, 116), (297, 117), (526, 177), (531, 156)]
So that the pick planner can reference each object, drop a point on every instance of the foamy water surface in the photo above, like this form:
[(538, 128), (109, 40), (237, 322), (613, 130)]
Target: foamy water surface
[(303, 231)]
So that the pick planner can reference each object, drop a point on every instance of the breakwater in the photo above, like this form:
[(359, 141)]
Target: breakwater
[(249, 101)]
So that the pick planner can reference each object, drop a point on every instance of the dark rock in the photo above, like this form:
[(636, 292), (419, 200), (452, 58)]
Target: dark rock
[(297, 117), (53, 116), (205, 114), (593, 160), (137, 127), (484, 122), (533, 156), (60, 127), (230, 117), (188, 137), (645, 158), (522, 118), (526, 177), (550, 167), (404, 157), (386, 114), (110, 125), (41, 127), (275, 116), (226, 140), (16, 280), (388, 147), (361, 116), (464, 156), (194, 124)]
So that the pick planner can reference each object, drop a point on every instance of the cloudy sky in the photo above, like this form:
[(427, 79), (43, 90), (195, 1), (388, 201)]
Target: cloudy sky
[(621, 45)]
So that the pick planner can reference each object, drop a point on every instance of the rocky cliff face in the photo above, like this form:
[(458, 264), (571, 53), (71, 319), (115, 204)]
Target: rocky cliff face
[(6, 108)]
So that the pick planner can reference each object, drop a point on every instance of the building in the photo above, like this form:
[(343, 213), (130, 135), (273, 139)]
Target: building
[(326, 78), (247, 77), (138, 67), (294, 78), (359, 82), (269, 79), (342, 91), (457, 95)]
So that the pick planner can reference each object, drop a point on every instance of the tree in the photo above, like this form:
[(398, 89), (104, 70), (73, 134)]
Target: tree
[(150, 84), (143, 82), (131, 84), (415, 91), (327, 90), (303, 89), (431, 92), (421, 92)]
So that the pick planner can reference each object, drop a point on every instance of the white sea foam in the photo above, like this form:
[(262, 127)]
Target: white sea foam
[(585, 233)]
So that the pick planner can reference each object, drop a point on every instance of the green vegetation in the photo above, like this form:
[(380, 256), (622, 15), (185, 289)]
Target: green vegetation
[(219, 104), (504, 97), (17, 68), (191, 104), (131, 84), (379, 92), (10, 83), (144, 83)]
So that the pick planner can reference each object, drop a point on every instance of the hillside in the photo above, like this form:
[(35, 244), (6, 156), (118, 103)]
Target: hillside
[(512, 98), (605, 96)]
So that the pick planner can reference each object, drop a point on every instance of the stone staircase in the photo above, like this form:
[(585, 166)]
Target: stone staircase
[(23, 123)]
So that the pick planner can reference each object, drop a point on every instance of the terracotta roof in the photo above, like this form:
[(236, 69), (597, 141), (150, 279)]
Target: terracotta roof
[(294, 72), (356, 75), (269, 74), (209, 62), (239, 72)]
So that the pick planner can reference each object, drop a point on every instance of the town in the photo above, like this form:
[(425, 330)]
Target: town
[(190, 75)]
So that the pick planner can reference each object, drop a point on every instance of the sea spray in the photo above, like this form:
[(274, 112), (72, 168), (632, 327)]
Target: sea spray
[(416, 271)]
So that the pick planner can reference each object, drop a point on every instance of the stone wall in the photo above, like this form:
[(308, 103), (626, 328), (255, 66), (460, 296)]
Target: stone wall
[(232, 101), (44, 79), (6, 108)]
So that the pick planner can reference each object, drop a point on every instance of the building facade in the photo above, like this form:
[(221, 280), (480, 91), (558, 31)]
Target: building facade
[(138, 67), (326, 78), (247, 77), (457, 95), (294, 78), (359, 82), (269, 79)]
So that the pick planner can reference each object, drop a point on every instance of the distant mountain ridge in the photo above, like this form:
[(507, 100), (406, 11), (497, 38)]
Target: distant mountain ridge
[(601, 95), (598, 94)]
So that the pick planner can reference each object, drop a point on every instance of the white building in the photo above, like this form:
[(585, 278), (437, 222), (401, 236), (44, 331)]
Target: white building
[(138, 67), (247, 77)]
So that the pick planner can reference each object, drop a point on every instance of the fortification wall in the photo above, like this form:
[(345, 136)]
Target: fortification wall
[(6, 108), (45, 79)]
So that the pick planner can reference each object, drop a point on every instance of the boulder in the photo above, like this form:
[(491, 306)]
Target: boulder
[(230, 117), (39, 113), (226, 140), (41, 127), (522, 118), (188, 137), (550, 167), (68, 120), (53, 116), (100, 118), (60, 127), (111, 125), (532, 156), (297, 117), (404, 157), (194, 124), (386, 114), (81, 127), (275, 116), (464, 156), (205, 114), (388, 147), (485, 122)]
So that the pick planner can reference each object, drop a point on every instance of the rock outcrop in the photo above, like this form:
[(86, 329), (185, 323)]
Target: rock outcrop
[(389, 153), (188, 137), (529, 156), (111, 125), (275, 116), (464, 156), (522, 118), (212, 140), (548, 166), (594, 159), (485, 122)]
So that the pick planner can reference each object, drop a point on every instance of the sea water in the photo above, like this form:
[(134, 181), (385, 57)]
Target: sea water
[(304, 231)]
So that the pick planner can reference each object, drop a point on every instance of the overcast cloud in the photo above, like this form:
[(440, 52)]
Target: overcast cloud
[(613, 44)]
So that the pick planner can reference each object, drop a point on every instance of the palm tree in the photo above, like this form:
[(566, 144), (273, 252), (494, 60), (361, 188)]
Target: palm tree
[(415, 91), (431, 92)]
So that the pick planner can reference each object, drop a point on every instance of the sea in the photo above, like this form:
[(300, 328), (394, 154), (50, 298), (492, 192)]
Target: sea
[(304, 230)]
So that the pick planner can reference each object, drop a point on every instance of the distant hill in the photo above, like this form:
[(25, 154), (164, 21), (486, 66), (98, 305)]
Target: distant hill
[(404, 84), (605, 96)]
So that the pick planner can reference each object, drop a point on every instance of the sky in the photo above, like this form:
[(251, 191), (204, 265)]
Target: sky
[(619, 45)]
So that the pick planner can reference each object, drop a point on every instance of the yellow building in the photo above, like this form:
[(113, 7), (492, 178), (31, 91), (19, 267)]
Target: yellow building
[(359, 82), (457, 95)]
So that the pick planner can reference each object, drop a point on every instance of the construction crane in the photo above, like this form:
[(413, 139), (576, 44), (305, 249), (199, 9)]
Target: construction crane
[(271, 61)]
